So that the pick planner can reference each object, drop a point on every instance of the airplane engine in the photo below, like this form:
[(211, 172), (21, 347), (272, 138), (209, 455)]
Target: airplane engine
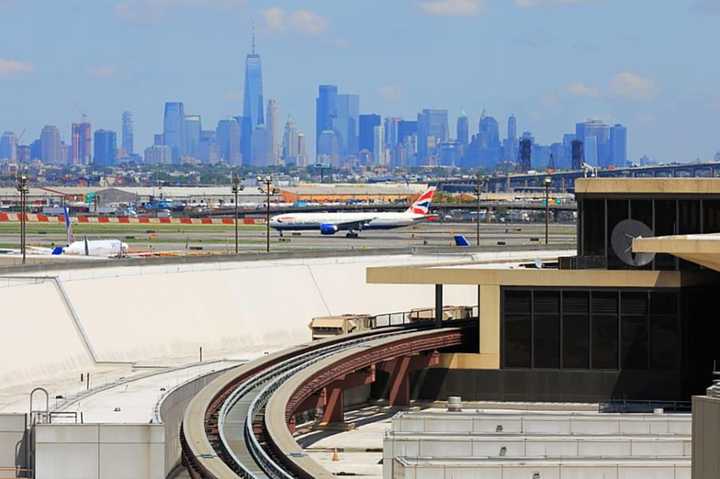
[(327, 229)]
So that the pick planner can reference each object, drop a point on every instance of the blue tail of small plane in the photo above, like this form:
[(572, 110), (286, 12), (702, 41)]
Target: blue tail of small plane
[(460, 240)]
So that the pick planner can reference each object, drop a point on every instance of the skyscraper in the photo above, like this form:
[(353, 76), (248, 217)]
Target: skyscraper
[(158, 155), (618, 145), (328, 150), (510, 146), (105, 148), (577, 155), (525, 163), (253, 103), (391, 125), (290, 143), (273, 132), (463, 129), (325, 111), (50, 152), (174, 129), (81, 143), (207, 148), (8, 146), (128, 143), (302, 151), (432, 129), (379, 156), (228, 136), (596, 138), (193, 127), (367, 131), (346, 125)]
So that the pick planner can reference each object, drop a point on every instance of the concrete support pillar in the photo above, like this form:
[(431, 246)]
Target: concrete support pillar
[(438, 305), (334, 412), (399, 394)]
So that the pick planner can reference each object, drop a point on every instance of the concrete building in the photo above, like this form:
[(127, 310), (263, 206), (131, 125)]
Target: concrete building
[(8, 146), (50, 151), (158, 155)]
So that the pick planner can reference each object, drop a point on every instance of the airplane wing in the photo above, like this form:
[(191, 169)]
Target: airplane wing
[(356, 224)]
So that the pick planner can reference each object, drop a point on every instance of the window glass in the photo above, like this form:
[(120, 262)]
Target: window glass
[(617, 211), (517, 341), (665, 225), (593, 239), (576, 329), (546, 331)]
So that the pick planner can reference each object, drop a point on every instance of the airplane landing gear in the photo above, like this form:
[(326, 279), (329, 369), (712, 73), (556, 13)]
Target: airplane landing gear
[(351, 234)]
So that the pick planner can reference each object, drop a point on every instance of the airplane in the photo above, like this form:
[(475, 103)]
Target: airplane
[(331, 223), (111, 248)]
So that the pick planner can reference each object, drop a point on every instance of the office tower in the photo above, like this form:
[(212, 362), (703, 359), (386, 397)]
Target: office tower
[(510, 145), (128, 141), (36, 150), (8, 146), (174, 129), (207, 148), (367, 131), (596, 138), (567, 162), (260, 154), (193, 127), (512, 128), (228, 136), (325, 110), (391, 125), (556, 156), (489, 132), (290, 143), (81, 143), (379, 146), (23, 154), (406, 128), (328, 150), (158, 139), (273, 131), (105, 148), (618, 145), (50, 145), (253, 105), (346, 124), (158, 155), (526, 147), (578, 155), (302, 152), (463, 129), (432, 129)]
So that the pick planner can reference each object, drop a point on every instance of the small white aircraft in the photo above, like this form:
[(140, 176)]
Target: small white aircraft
[(111, 248), (331, 223)]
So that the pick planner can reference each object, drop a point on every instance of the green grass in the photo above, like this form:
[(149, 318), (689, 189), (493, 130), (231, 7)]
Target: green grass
[(124, 229)]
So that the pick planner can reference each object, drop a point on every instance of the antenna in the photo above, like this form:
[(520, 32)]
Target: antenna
[(253, 37)]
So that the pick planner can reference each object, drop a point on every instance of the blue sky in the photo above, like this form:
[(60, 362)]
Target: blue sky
[(650, 64)]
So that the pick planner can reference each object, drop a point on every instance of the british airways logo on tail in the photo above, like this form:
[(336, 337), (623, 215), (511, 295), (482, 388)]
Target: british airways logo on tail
[(422, 204)]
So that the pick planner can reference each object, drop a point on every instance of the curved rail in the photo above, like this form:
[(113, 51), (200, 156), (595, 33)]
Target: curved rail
[(268, 392)]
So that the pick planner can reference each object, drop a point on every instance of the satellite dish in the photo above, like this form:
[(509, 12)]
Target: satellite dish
[(622, 237)]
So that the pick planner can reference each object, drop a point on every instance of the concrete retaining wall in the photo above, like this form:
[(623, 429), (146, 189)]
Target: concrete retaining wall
[(12, 440), (99, 451)]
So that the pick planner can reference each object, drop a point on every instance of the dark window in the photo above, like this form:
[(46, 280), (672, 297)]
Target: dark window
[(604, 330), (642, 210), (689, 223), (665, 225), (634, 320), (518, 328), (617, 211), (546, 331), (711, 216), (576, 330), (665, 342), (593, 224)]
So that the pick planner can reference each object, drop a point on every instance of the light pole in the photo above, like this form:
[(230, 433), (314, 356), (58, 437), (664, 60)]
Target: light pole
[(268, 190), (236, 188), (22, 187), (548, 182)]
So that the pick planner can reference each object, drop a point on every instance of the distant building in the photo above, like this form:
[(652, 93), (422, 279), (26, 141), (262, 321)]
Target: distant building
[(406, 128), (302, 150), (463, 129), (525, 154), (379, 155), (618, 146), (193, 127), (391, 125), (208, 151), (510, 145), (50, 151), (228, 136), (253, 106), (105, 148), (174, 129), (291, 144), (158, 155), (367, 131), (578, 156), (346, 124), (328, 151), (158, 139), (8, 146), (273, 132), (81, 143), (128, 139), (595, 136), (432, 129), (325, 111)]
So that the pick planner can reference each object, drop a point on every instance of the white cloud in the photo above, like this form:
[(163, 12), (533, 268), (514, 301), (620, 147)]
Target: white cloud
[(300, 21), (581, 89), (10, 67), (548, 3), (453, 8), (632, 86), (101, 71), (148, 11)]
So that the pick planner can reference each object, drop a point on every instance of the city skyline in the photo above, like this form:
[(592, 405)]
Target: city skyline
[(596, 78)]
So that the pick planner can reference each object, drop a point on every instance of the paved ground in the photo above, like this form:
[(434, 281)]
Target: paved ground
[(221, 238)]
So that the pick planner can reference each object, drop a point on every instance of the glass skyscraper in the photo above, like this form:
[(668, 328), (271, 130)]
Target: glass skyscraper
[(325, 111), (253, 104), (50, 150), (193, 127), (127, 133), (432, 130), (174, 129), (105, 148), (367, 125)]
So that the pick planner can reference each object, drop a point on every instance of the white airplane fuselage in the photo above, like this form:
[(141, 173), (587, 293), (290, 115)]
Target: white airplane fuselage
[(343, 221), (106, 248)]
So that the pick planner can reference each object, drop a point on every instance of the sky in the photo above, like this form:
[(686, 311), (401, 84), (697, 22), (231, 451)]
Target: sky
[(649, 64)]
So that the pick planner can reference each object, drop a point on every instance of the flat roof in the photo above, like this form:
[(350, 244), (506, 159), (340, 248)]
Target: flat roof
[(659, 186), (703, 249)]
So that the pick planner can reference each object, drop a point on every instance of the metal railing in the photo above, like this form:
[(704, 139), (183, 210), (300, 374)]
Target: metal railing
[(423, 317)]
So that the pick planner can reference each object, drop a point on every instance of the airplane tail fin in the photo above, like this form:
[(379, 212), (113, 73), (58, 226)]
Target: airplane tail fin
[(460, 240), (422, 204), (68, 226), (58, 250)]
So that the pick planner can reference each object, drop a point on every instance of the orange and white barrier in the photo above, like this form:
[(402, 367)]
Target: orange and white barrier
[(183, 220)]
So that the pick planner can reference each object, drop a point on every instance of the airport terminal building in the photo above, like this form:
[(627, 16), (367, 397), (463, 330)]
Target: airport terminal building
[(611, 323)]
